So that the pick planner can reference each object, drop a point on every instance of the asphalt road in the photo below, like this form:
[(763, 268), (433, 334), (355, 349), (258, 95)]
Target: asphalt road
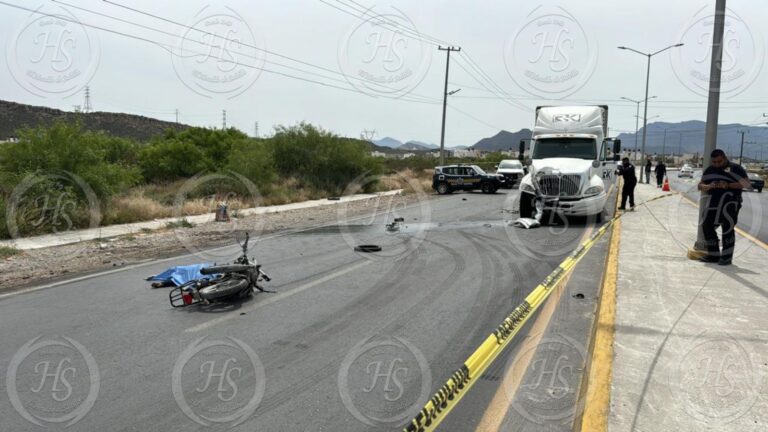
[(753, 212), (349, 342)]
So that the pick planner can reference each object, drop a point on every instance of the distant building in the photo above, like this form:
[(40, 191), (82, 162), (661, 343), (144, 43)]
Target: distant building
[(377, 153), (10, 139)]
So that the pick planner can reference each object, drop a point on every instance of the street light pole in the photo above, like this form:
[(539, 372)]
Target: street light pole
[(637, 119), (647, 84), (713, 107)]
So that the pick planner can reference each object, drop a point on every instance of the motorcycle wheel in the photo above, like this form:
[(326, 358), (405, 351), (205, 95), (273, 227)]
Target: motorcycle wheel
[(225, 288)]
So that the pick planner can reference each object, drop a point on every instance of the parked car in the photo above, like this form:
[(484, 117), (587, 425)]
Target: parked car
[(512, 170), (686, 171), (465, 177), (756, 181)]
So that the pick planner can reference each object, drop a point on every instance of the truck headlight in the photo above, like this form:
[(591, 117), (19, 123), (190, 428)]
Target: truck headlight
[(594, 190), (525, 187)]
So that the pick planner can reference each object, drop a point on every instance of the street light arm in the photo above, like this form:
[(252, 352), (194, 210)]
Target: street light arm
[(632, 49), (664, 49)]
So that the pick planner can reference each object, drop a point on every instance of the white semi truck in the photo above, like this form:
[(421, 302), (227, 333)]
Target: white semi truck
[(572, 162)]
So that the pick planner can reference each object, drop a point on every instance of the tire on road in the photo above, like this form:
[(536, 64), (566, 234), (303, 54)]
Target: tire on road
[(223, 289), (487, 188), (526, 205)]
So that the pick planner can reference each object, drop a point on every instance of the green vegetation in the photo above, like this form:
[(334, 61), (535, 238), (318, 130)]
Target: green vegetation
[(8, 251), (181, 223), (63, 177)]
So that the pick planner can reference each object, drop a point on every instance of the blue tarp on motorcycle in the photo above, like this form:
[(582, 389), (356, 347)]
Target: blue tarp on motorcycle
[(180, 275)]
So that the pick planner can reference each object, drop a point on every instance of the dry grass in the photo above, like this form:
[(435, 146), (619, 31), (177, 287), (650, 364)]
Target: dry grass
[(159, 201)]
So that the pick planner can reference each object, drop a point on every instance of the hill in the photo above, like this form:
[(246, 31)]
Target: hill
[(388, 142), (688, 137), (418, 146), (15, 116), (504, 140)]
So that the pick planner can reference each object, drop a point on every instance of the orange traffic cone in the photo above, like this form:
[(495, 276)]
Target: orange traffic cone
[(665, 188)]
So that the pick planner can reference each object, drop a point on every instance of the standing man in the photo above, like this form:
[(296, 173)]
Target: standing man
[(627, 170), (648, 170), (661, 171), (722, 182)]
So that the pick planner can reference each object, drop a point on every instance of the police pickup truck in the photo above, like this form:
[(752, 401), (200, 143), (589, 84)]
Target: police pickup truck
[(451, 178)]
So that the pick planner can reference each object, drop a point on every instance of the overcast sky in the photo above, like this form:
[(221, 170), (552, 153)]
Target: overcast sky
[(515, 55)]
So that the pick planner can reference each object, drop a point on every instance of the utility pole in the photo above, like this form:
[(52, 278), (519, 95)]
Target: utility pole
[(741, 150), (664, 148), (223, 119), (713, 108), (177, 116), (445, 97), (87, 103), (256, 129)]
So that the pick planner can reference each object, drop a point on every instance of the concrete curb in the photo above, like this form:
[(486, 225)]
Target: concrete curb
[(76, 236)]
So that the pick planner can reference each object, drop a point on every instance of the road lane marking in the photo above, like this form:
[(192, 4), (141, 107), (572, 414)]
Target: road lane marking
[(500, 403), (277, 297)]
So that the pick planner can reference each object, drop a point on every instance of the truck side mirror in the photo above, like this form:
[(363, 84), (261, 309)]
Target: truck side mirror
[(521, 153), (617, 150)]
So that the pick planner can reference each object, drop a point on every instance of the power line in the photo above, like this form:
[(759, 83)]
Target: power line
[(170, 50), (365, 11)]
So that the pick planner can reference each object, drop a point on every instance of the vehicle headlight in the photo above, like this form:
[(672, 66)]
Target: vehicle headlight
[(594, 190), (525, 187)]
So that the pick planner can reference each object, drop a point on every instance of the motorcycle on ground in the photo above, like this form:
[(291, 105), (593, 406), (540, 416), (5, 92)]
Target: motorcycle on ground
[(228, 282)]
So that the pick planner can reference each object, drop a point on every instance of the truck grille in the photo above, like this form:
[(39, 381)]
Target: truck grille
[(566, 185)]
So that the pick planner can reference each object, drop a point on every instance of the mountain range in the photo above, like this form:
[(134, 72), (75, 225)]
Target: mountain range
[(683, 137)]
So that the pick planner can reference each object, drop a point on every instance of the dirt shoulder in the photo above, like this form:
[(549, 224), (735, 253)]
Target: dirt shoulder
[(42, 265)]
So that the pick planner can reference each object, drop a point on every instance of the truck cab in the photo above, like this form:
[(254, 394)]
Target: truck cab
[(572, 162)]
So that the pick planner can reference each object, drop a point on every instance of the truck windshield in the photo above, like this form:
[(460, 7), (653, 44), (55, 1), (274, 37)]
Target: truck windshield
[(510, 165), (579, 148)]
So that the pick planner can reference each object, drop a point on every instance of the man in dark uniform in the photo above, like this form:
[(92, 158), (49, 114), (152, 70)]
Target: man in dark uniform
[(661, 171), (722, 182), (627, 170), (648, 167)]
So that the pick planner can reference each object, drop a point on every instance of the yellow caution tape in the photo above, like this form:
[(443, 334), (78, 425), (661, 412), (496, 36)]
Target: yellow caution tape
[(448, 396)]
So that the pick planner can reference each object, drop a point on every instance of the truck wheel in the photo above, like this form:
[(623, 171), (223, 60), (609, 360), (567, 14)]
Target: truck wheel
[(760, 190), (443, 188), (487, 188), (526, 206)]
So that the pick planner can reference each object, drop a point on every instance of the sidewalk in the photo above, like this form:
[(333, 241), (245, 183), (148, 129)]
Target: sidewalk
[(691, 339), (75, 236)]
